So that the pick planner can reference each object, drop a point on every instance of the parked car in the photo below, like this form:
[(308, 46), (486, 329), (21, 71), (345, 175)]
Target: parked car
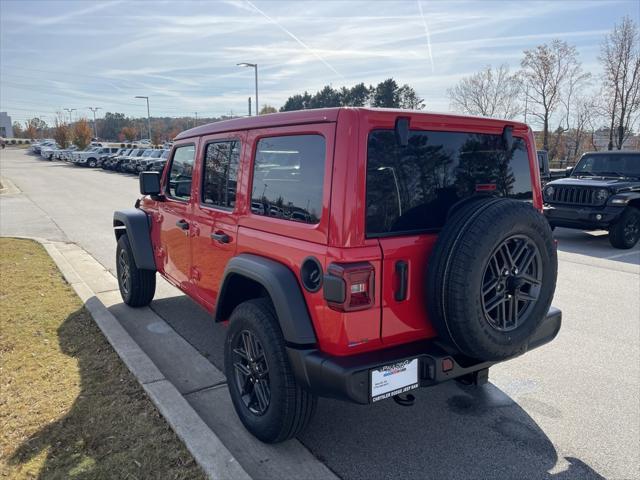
[(90, 158), (62, 153), (158, 165), (47, 151), (602, 193), (124, 163), (359, 274), (111, 161), (107, 156), (36, 147), (145, 162)]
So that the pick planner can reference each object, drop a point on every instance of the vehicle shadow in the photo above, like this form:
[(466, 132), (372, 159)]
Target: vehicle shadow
[(452, 431), (95, 438), (594, 244)]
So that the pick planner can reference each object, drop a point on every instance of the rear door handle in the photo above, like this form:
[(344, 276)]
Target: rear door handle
[(221, 237), (402, 269), (183, 224)]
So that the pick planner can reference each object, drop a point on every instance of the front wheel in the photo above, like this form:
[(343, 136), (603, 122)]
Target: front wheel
[(137, 286), (265, 394), (92, 163), (625, 233)]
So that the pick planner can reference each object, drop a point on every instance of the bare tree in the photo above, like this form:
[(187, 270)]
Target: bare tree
[(546, 71), (489, 93), (620, 57)]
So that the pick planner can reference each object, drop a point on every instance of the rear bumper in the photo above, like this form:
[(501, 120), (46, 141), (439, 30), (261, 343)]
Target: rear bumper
[(587, 218), (348, 378)]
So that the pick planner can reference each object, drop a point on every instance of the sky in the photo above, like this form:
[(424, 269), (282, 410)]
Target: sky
[(183, 55)]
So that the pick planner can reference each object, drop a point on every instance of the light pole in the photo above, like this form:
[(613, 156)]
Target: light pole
[(95, 128), (148, 116), (70, 110), (196, 122), (255, 69)]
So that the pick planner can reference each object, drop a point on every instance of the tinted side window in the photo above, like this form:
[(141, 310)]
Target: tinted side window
[(220, 177), (288, 175), (181, 172), (412, 188)]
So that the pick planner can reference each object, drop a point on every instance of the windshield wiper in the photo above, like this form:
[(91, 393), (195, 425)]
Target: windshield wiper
[(615, 174)]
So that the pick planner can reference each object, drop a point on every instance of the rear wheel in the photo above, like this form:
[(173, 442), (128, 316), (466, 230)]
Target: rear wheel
[(265, 394), (92, 163), (625, 233), (491, 278), (137, 286)]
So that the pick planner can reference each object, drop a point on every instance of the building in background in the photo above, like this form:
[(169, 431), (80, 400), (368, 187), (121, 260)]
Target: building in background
[(6, 129)]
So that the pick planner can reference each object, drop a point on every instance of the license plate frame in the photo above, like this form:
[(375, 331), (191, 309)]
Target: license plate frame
[(393, 379)]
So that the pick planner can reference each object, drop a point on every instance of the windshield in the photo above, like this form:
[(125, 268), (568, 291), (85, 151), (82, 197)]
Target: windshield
[(604, 165), (165, 153), (147, 153)]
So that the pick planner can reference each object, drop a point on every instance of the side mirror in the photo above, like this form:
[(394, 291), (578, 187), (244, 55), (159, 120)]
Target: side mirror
[(149, 183)]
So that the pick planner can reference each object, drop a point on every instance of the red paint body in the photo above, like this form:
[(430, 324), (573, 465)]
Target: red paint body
[(195, 263)]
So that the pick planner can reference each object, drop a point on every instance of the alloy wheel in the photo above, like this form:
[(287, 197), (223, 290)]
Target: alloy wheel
[(125, 274), (251, 373), (511, 283)]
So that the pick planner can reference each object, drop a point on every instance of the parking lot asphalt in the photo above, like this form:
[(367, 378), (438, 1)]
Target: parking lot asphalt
[(570, 409)]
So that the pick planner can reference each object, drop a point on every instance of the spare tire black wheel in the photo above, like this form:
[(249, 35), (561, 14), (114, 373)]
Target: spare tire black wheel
[(491, 278)]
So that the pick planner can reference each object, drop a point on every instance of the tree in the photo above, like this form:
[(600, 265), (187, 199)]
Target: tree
[(112, 124), (488, 93), (356, 96), (82, 133), (545, 72), (386, 94), (296, 102), (129, 133), (34, 127), (409, 99), (620, 58), (17, 130), (267, 109), (325, 98), (61, 132)]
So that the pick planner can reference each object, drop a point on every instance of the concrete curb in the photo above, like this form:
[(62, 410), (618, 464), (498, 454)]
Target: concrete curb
[(205, 446)]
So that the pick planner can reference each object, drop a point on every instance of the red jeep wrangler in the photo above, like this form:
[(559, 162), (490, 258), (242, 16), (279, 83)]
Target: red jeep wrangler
[(355, 253)]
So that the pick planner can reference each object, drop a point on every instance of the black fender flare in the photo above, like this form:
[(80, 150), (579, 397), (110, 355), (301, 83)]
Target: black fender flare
[(283, 288), (138, 230)]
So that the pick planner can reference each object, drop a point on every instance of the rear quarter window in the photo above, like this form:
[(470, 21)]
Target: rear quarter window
[(288, 176), (412, 188)]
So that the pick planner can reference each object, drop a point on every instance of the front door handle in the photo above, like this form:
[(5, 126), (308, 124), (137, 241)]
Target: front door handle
[(183, 224), (220, 237)]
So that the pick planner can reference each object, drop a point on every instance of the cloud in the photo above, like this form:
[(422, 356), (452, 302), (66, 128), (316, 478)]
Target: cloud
[(300, 42)]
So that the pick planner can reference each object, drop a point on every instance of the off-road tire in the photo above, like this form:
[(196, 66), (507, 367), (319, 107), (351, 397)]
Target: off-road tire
[(290, 407), (625, 233), (137, 286), (92, 162), (459, 265)]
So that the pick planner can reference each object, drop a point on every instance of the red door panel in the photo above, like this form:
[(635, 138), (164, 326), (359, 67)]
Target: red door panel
[(407, 319)]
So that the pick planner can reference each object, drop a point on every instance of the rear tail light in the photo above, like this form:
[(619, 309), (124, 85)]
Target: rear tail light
[(349, 286)]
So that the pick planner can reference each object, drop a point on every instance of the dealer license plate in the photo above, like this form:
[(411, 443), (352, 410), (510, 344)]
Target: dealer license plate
[(394, 379)]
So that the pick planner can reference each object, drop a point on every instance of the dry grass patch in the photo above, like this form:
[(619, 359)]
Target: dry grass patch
[(69, 408)]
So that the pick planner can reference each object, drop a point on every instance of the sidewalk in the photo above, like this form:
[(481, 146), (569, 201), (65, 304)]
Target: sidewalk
[(187, 389)]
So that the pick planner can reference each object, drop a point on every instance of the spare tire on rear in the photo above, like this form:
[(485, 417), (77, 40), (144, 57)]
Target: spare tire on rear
[(491, 278)]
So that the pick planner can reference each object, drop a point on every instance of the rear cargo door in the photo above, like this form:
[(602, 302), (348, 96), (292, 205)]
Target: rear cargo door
[(410, 191)]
